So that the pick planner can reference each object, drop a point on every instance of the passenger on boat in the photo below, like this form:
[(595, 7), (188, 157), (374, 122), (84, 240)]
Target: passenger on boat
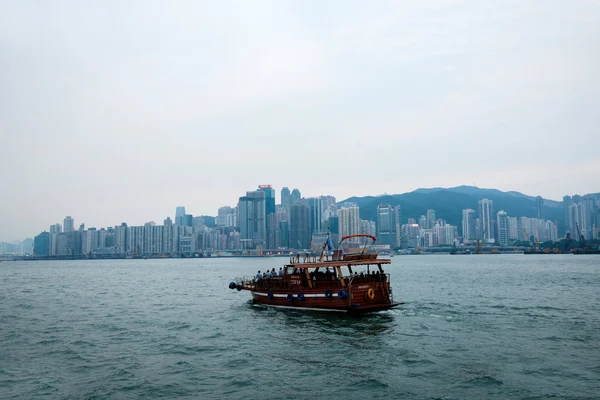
[(259, 275), (280, 271), (267, 275), (273, 273)]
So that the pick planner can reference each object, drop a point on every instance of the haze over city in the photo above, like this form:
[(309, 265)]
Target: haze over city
[(119, 111)]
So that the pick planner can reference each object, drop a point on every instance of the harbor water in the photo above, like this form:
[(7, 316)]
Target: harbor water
[(478, 326)]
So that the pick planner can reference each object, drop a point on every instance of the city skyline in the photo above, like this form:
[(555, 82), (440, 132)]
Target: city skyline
[(110, 120), (258, 223), (181, 211)]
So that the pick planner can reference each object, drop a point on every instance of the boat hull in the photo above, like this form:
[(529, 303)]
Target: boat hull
[(356, 301)]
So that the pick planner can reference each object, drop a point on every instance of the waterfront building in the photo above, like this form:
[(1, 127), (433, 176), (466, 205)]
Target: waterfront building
[(316, 218), (328, 208), (444, 234), (41, 244), (285, 197), (469, 225), (539, 207), (295, 197), (252, 217), (368, 227), (423, 222), (430, 219), (300, 230), (284, 234), (513, 230), (348, 221), (68, 224), (388, 222), (486, 211), (179, 213), (502, 223)]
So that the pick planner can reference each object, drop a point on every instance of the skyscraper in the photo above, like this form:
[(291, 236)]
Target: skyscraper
[(502, 221), (387, 224), (299, 226), (295, 197), (469, 225), (68, 224), (270, 220), (285, 197), (179, 215), (486, 211), (567, 201), (316, 217), (41, 244), (539, 207), (430, 218), (328, 208), (269, 198), (349, 221), (252, 216)]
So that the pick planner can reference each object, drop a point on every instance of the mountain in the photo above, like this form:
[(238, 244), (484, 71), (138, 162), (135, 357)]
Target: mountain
[(449, 203)]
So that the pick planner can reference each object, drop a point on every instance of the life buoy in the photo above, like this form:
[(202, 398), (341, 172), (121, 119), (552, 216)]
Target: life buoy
[(270, 295), (290, 297), (370, 294), (231, 285), (328, 293), (300, 296), (342, 294), (238, 287)]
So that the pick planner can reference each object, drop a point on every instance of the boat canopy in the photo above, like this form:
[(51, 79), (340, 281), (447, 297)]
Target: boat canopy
[(324, 264)]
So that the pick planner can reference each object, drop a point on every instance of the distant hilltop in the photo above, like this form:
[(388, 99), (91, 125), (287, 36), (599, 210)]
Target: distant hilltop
[(449, 203)]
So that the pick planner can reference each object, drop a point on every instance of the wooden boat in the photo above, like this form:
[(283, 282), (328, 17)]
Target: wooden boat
[(350, 282)]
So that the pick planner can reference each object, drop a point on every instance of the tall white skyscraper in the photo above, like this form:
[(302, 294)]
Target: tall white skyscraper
[(68, 224), (469, 225), (486, 212), (349, 221), (502, 223)]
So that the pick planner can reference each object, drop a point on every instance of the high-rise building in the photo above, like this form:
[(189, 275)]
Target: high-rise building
[(539, 207), (469, 225), (299, 226), (430, 218), (295, 197), (502, 223), (224, 218), (316, 216), (580, 221), (423, 222), (41, 244), (68, 224), (368, 227), (486, 211), (285, 197), (348, 221), (513, 228), (271, 237), (284, 234), (269, 198), (252, 217), (388, 221), (328, 207)]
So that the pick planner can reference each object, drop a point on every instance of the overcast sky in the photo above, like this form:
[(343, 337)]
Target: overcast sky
[(116, 111)]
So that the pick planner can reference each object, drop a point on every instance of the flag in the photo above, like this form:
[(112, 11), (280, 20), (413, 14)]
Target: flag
[(328, 242)]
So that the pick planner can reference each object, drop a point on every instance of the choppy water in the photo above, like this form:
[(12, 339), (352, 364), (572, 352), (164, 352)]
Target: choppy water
[(472, 327)]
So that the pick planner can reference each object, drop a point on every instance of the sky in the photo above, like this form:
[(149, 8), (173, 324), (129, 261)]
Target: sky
[(119, 111)]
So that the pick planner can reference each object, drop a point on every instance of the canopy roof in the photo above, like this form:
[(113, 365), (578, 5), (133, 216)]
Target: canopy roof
[(324, 264)]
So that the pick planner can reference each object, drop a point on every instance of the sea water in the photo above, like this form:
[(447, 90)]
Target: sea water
[(477, 326)]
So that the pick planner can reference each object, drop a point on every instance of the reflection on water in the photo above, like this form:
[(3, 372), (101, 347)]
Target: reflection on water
[(327, 323)]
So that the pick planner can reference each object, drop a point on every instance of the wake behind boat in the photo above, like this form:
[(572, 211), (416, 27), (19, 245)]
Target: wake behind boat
[(342, 282)]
